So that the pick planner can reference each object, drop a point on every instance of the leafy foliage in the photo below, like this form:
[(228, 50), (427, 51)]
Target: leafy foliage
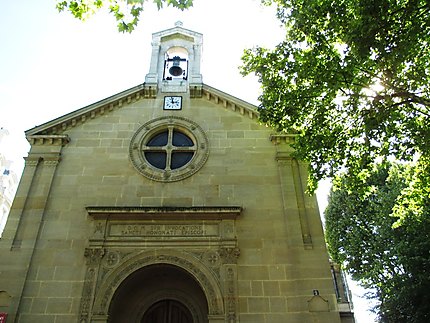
[(351, 79), (126, 12), (394, 260)]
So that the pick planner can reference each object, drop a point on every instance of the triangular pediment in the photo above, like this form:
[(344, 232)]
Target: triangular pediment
[(142, 91), (177, 32)]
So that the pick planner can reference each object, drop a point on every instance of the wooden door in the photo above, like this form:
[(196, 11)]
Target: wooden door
[(167, 311)]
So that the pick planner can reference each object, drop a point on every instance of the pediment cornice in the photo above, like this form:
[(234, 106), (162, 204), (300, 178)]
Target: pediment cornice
[(230, 102), (143, 91), (70, 120)]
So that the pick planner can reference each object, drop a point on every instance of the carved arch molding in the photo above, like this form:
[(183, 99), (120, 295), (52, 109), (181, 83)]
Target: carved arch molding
[(199, 240)]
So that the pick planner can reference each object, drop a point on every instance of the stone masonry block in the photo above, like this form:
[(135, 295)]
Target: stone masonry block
[(66, 318), (276, 318), (244, 287), (250, 243), (258, 304), (45, 273), (59, 305), (252, 318), (36, 318), (277, 272), (39, 305), (55, 289), (113, 143), (235, 134), (271, 288), (32, 288), (88, 143), (278, 304), (68, 273), (253, 273), (252, 256), (25, 305)]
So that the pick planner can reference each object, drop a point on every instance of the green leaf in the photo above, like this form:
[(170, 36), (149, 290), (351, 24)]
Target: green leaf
[(126, 12)]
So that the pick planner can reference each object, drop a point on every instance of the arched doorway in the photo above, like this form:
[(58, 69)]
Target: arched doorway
[(159, 293)]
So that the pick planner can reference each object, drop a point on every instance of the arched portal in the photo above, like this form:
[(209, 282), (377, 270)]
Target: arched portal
[(159, 293)]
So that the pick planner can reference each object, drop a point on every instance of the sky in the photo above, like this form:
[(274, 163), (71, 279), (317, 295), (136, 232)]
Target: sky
[(52, 64)]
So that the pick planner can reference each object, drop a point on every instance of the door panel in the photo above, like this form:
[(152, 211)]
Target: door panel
[(167, 311)]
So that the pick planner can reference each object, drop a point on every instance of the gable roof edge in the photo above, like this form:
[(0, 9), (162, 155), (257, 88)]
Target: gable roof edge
[(230, 101), (99, 107), (135, 93)]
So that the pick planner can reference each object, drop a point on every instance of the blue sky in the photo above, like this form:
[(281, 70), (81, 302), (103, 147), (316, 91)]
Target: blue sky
[(52, 64)]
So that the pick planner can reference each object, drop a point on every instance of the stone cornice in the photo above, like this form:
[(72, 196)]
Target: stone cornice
[(230, 102), (283, 143), (167, 213), (142, 91), (278, 139), (53, 140), (79, 116), (178, 29)]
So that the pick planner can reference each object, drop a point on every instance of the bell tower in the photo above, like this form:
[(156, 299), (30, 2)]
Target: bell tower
[(175, 61)]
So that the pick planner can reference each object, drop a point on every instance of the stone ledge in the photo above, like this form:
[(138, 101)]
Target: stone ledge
[(229, 101), (54, 140), (167, 212)]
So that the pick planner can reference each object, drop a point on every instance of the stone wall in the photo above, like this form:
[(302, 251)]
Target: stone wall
[(278, 232)]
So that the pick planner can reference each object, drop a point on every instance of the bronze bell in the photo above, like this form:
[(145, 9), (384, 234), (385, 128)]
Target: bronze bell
[(176, 70)]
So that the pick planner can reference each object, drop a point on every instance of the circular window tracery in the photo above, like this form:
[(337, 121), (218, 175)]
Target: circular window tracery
[(169, 149)]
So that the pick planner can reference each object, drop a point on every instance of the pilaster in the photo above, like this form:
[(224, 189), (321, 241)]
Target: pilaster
[(27, 214), (293, 186)]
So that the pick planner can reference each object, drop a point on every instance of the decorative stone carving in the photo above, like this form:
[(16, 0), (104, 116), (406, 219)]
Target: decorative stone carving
[(31, 161), (98, 229), (55, 140), (211, 258), (112, 259), (126, 240), (231, 292), (51, 162), (229, 255), (125, 268), (94, 255)]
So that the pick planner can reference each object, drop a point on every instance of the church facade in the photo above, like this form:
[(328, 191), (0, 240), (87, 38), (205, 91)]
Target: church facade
[(167, 202)]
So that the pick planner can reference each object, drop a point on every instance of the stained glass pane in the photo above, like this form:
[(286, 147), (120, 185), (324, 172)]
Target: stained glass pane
[(181, 140), (156, 159), (180, 159), (158, 140)]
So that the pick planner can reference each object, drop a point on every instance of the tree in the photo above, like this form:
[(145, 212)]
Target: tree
[(126, 12), (393, 259), (351, 79)]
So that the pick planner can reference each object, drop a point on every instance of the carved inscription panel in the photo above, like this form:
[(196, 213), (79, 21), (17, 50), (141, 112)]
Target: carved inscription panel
[(162, 230)]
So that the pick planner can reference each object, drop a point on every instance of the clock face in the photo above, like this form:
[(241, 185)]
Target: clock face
[(172, 102)]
